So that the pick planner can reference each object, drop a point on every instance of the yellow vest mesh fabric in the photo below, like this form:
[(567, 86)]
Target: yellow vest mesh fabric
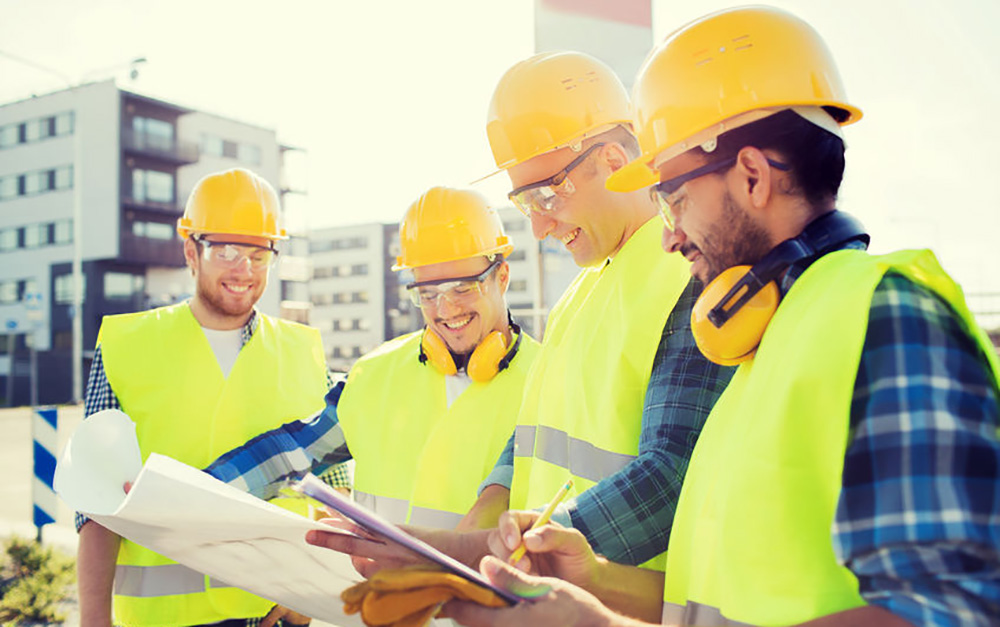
[(589, 382), (167, 379), (752, 534), (408, 444)]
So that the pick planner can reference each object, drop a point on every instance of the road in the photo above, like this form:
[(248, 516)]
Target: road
[(15, 489)]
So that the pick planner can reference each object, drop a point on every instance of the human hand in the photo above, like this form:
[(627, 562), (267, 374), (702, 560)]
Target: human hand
[(290, 617), (553, 550), (369, 552), (549, 601)]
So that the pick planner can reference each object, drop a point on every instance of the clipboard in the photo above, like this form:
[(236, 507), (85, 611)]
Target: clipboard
[(313, 487)]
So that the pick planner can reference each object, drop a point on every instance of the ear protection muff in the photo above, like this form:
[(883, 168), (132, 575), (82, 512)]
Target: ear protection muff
[(490, 357), (733, 311)]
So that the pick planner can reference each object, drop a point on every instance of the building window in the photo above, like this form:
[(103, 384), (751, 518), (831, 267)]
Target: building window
[(359, 297), (8, 187), (33, 235), (8, 136), (63, 177), (517, 255), (249, 153), (153, 133), (359, 269), (519, 285), (8, 240), (63, 288), (8, 292), (230, 149), (152, 185), (63, 232), (211, 145), (321, 272), (122, 286), (517, 226), (153, 230), (64, 123)]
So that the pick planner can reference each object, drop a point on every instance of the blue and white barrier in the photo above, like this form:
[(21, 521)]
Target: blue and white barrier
[(44, 432)]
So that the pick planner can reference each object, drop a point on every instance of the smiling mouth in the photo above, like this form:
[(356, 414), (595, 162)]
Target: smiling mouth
[(238, 289), (457, 325), (570, 237)]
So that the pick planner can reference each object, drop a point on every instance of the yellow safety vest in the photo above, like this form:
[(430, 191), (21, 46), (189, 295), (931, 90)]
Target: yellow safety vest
[(167, 379), (417, 460), (751, 541), (582, 410)]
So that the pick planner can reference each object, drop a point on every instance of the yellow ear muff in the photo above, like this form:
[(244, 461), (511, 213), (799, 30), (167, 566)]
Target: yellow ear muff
[(484, 363), (736, 341), (436, 351)]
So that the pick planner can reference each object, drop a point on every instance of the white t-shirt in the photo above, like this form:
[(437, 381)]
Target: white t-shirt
[(226, 345)]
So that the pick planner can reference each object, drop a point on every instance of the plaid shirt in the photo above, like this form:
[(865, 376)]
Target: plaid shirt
[(100, 396), (627, 516), (918, 521)]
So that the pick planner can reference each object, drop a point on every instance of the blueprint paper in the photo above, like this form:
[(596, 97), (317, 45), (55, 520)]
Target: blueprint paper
[(198, 521)]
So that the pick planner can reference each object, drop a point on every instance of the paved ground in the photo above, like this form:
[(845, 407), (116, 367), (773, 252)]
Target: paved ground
[(15, 487)]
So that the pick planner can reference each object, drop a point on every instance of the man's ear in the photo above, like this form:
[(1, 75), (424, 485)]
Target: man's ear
[(756, 183), (614, 155), (191, 254), (503, 276)]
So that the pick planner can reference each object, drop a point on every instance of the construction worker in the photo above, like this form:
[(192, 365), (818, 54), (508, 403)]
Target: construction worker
[(620, 392), (426, 415), (850, 473), (198, 378)]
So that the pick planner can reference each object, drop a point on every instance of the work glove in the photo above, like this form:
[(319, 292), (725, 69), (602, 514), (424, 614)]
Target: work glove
[(411, 596)]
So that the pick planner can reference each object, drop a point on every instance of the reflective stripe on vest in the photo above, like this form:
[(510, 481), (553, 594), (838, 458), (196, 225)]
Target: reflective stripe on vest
[(393, 510), (417, 460), (588, 386), (752, 533), (697, 614), (579, 457), (159, 581), (167, 379)]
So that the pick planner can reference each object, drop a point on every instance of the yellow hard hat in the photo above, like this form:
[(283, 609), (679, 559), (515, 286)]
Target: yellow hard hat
[(694, 85), (233, 202), (551, 100), (449, 224)]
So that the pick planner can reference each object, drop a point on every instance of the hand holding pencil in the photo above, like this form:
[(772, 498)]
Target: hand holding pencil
[(519, 552)]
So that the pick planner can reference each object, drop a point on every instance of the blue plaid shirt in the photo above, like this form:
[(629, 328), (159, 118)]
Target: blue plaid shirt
[(100, 396), (918, 521)]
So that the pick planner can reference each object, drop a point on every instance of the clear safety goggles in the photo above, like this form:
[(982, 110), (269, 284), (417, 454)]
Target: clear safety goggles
[(661, 192), (457, 291), (547, 195), (232, 254)]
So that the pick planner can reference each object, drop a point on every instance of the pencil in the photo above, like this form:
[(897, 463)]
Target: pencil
[(519, 552)]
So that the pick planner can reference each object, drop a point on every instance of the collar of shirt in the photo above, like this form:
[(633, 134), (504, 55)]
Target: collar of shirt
[(796, 269)]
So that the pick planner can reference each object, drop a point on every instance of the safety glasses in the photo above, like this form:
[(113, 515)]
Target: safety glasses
[(661, 192), (232, 254), (546, 195), (457, 290)]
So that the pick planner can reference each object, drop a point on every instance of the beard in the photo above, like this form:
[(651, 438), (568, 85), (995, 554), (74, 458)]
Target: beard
[(735, 240), (214, 298)]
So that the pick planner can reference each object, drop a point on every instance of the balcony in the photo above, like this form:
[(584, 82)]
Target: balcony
[(152, 252), (163, 148)]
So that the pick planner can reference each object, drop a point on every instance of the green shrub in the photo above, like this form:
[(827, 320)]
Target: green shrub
[(33, 581)]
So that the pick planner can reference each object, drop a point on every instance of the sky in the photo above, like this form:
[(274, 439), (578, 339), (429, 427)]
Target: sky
[(390, 98)]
